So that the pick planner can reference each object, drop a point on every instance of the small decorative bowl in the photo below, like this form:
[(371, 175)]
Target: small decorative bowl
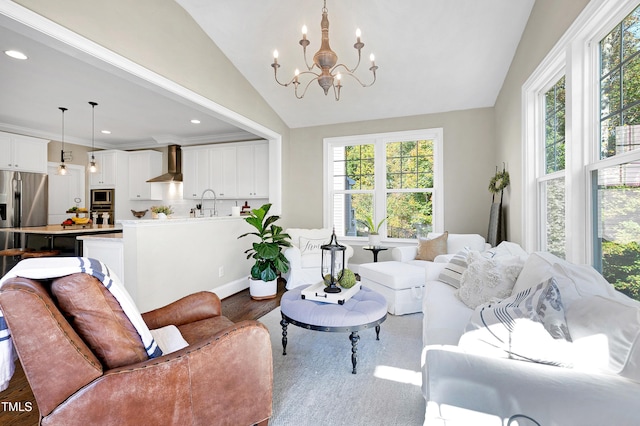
[(139, 214)]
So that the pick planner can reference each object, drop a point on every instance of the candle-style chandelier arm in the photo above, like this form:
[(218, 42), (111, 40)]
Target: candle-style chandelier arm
[(350, 73), (358, 47), (297, 83), (295, 79), (304, 43)]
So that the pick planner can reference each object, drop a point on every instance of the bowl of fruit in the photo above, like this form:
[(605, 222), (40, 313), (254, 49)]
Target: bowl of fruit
[(79, 221)]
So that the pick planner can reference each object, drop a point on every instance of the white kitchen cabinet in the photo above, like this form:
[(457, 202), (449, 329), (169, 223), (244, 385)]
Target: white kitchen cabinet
[(195, 172), (144, 165), (113, 173), (64, 191), (233, 170), (106, 164), (223, 171), (253, 171), (23, 153)]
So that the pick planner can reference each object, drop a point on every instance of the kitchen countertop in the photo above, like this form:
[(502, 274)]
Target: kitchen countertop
[(103, 237), (59, 230), (174, 220)]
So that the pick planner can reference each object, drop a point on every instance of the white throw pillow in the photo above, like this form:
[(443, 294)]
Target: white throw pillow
[(578, 281), (518, 328), (311, 245), (614, 324), (485, 279), (506, 248), (536, 269), (169, 339)]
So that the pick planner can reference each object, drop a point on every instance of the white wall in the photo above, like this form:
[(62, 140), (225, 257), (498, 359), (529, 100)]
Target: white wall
[(175, 258), (469, 152), (548, 21)]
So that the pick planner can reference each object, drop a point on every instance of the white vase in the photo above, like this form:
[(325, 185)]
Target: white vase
[(261, 290), (374, 240)]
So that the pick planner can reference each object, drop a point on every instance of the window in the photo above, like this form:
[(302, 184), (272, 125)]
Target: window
[(618, 226), (551, 181), (616, 181), (581, 159), (620, 87), (392, 176)]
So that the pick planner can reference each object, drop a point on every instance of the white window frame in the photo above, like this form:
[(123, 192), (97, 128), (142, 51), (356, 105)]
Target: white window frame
[(576, 52), (379, 140)]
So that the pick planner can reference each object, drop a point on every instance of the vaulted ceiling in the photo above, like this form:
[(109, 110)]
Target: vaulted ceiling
[(433, 56)]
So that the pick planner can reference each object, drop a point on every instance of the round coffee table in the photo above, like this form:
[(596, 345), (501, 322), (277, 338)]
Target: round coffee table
[(366, 309)]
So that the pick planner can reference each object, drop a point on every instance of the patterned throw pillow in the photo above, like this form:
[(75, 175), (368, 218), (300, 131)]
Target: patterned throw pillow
[(528, 326), (486, 279), (429, 249), (452, 272)]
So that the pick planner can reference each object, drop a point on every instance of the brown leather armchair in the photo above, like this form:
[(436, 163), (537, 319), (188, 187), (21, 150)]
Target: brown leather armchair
[(224, 376)]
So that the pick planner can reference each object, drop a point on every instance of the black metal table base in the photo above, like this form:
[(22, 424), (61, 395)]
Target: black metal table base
[(353, 337)]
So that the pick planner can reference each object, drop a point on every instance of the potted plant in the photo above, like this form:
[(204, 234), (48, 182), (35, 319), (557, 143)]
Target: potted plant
[(160, 212), (267, 252), (374, 235)]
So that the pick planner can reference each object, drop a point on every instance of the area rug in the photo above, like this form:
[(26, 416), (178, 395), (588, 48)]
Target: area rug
[(313, 384)]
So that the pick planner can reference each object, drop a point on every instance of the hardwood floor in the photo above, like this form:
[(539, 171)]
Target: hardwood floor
[(16, 399)]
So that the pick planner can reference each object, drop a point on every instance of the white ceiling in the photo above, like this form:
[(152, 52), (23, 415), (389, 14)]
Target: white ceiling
[(433, 56), (138, 114)]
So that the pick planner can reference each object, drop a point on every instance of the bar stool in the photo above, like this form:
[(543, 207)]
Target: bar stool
[(41, 253)]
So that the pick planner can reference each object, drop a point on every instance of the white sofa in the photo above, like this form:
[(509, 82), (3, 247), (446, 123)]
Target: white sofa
[(473, 382), (305, 255), (401, 280)]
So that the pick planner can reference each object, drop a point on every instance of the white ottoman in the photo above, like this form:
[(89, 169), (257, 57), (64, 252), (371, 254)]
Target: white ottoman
[(402, 284)]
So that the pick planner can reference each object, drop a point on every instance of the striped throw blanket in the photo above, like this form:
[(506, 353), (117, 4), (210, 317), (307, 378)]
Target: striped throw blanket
[(54, 267)]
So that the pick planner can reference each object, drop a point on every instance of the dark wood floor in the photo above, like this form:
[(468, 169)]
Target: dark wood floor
[(238, 307)]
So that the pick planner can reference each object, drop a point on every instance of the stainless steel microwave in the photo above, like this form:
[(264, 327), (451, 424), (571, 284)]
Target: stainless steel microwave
[(102, 197)]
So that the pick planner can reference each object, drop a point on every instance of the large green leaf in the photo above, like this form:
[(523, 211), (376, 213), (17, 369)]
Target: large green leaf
[(268, 251), (282, 263), (268, 274)]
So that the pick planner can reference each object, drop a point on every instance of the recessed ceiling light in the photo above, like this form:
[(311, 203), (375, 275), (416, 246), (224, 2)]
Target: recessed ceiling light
[(106, 132), (194, 121), (15, 54)]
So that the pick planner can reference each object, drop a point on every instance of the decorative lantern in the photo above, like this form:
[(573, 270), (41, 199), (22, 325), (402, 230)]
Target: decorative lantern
[(332, 264)]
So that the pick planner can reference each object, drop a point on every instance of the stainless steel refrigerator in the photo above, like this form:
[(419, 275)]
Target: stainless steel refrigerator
[(24, 201)]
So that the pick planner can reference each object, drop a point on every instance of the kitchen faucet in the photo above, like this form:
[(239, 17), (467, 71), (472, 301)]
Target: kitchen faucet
[(214, 212)]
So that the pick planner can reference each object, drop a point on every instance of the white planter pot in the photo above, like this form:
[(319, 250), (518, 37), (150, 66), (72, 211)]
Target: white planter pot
[(261, 290), (374, 239)]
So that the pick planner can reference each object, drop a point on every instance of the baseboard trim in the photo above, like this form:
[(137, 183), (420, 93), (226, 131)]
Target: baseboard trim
[(232, 287)]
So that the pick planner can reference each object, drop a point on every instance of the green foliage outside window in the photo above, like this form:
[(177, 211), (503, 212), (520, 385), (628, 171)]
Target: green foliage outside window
[(555, 127), (618, 197), (619, 84), (620, 243), (409, 166), (409, 182)]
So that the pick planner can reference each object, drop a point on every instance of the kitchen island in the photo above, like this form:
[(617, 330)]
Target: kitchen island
[(50, 233), (166, 259)]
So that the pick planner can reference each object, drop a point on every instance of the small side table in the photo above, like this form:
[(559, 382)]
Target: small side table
[(375, 250)]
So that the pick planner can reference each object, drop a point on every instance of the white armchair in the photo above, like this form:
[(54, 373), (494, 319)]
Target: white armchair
[(305, 255)]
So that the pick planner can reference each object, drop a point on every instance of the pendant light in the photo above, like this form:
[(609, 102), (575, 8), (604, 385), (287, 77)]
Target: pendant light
[(92, 165), (62, 168)]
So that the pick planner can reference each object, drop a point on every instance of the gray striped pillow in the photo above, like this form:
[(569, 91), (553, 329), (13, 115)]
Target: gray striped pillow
[(452, 273)]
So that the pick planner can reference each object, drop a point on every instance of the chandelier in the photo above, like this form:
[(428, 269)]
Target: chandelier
[(324, 68)]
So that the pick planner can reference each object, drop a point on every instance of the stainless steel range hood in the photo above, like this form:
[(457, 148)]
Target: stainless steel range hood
[(174, 167)]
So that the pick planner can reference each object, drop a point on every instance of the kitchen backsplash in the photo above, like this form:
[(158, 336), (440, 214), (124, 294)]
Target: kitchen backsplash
[(172, 196)]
